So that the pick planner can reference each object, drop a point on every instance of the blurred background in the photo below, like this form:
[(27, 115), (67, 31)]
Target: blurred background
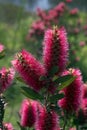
[(23, 26)]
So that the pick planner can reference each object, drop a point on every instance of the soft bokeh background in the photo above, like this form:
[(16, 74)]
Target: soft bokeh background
[(16, 18)]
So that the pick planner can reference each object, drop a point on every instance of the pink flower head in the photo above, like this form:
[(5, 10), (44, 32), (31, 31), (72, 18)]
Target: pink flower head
[(84, 103), (76, 30), (73, 93), (28, 113), (30, 69), (55, 50), (37, 29), (82, 43), (60, 8), (68, 1), (77, 59), (47, 121), (85, 27), (8, 126), (72, 128), (41, 13), (84, 90), (6, 78), (1, 48), (74, 11)]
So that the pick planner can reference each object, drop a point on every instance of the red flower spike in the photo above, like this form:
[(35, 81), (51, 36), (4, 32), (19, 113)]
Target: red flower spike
[(6, 78), (30, 69), (28, 113), (73, 93), (47, 121), (55, 51)]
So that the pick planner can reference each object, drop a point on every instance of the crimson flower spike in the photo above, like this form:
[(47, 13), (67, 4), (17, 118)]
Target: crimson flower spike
[(29, 69), (28, 113), (6, 78), (47, 121), (55, 50), (73, 93)]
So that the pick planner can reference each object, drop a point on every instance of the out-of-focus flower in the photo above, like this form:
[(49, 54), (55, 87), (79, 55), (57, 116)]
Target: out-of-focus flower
[(85, 27), (76, 31), (68, 1), (77, 58), (73, 93), (8, 126), (82, 43), (28, 113), (29, 69), (41, 13), (6, 78), (1, 48), (37, 28), (72, 129), (60, 8), (55, 51), (74, 11), (47, 121)]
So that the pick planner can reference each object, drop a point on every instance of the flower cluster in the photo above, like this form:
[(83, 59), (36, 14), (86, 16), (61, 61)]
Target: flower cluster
[(28, 113), (1, 48), (8, 126), (29, 68), (46, 20), (74, 11), (73, 93), (55, 54), (37, 29), (6, 78)]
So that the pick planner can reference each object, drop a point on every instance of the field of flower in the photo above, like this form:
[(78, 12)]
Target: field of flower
[(43, 68)]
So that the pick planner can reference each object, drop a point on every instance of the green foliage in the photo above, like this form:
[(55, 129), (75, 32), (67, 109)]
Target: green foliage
[(55, 98), (53, 71), (30, 93), (2, 55), (64, 81)]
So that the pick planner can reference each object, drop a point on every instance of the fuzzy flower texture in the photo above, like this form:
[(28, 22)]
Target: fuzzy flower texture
[(55, 53), (6, 78), (73, 93), (33, 114)]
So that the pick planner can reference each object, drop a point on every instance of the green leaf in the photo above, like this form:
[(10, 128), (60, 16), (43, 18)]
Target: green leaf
[(30, 93), (62, 79), (55, 78), (20, 79), (42, 78), (55, 108), (21, 127), (56, 97), (2, 54), (53, 71), (68, 80)]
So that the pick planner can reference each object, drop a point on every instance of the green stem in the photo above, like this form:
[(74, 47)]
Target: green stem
[(64, 126)]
